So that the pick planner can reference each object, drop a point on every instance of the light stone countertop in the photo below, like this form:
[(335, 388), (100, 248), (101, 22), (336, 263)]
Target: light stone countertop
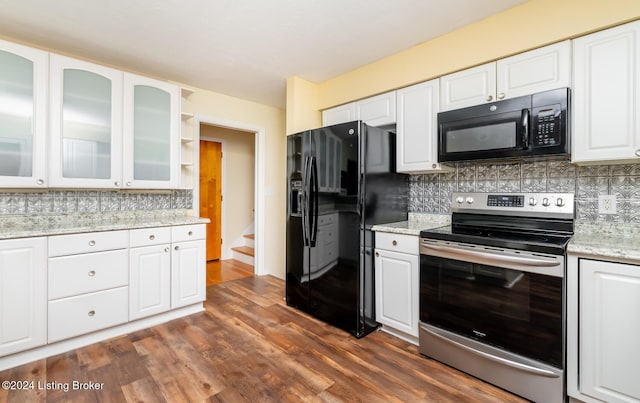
[(416, 223), (33, 226), (607, 240)]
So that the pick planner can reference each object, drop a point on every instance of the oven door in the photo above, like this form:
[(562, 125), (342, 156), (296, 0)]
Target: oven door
[(511, 300)]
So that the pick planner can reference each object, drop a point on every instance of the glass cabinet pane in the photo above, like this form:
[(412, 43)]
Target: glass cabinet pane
[(152, 133), (16, 115), (86, 125)]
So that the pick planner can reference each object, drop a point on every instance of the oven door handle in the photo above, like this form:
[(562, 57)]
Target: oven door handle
[(504, 361), (488, 258)]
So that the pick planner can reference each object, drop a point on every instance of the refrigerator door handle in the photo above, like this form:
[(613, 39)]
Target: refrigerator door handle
[(313, 199), (304, 207)]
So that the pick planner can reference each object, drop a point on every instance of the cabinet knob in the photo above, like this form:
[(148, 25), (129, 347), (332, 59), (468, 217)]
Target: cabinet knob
[(434, 166), (92, 273), (190, 233), (177, 247), (501, 95), (92, 243), (40, 181), (166, 249), (117, 183), (377, 254), (489, 98), (91, 313), (638, 152), (152, 237), (394, 243), (128, 183)]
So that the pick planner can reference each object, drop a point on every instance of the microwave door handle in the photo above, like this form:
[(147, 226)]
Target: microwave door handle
[(524, 122)]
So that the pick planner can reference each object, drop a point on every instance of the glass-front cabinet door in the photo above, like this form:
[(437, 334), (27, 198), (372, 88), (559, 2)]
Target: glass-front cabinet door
[(23, 115), (86, 124), (151, 133)]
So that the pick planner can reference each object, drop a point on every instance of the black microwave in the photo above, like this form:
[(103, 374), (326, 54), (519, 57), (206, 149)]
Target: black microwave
[(532, 125)]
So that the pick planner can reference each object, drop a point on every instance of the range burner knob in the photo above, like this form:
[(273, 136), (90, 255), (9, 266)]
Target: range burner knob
[(559, 202), (532, 201), (460, 199), (469, 200), (546, 202)]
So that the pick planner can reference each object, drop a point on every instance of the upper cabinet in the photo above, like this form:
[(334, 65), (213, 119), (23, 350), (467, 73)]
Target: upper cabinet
[(417, 128), (23, 115), (378, 110), (606, 92), (526, 73), (86, 124), (151, 133)]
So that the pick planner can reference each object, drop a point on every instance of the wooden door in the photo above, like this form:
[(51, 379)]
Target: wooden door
[(211, 195)]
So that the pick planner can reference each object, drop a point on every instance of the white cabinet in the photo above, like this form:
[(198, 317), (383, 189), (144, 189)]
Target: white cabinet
[(23, 115), (606, 96), (538, 70), (608, 323), (417, 128), (397, 267), (86, 124), (151, 133), (149, 272), (188, 265), (23, 294), (87, 282), (378, 110)]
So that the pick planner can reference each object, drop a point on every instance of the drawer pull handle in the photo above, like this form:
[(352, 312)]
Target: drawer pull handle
[(166, 249), (190, 233), (394, 243), (40, 181), (152, 237), (91, 313), (92, 273), (92, 243), (177, 247)]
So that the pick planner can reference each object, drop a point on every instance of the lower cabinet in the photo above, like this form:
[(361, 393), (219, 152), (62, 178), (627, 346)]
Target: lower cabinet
[(397, 267), (23, 294), (188, 265), (608, 325)]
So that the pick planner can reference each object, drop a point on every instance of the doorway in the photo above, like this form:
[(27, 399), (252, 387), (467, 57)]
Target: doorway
[(227, 186)]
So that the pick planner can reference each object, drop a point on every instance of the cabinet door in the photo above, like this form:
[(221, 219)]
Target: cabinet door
[(149, 280), (188, 273), (609, 328), (379, 110), (606, 96), (468, 87), (417, 128), (538, 70), (23, 294), (339, 114), (151, 133), (24, 74), (86, 124), (397, 295)]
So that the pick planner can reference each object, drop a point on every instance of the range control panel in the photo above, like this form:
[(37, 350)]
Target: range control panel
[(526, 204)]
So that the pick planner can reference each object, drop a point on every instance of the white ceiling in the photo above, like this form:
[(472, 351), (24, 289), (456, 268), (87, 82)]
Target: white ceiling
[(243, 48)]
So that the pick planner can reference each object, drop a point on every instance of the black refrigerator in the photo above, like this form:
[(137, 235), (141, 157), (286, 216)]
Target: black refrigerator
[(341, 182)]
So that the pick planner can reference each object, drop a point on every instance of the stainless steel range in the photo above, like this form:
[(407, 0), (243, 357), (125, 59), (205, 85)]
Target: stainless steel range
[(492, 290)]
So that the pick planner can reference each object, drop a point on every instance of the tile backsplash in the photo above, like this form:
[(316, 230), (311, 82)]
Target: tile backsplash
[(92, 201), (431, 193)]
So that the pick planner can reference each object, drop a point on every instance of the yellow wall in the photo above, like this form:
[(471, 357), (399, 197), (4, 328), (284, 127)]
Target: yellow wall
[(224, 107), (533, 24), (239, 180), (302, 101)]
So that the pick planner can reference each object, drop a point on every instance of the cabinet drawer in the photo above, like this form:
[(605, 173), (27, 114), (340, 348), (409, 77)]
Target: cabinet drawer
[(80, 274), (398, 242), (73, 244), (192, 232), (149, 236), (86, 313)]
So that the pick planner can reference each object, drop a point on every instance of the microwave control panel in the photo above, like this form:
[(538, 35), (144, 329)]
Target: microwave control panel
[(547, 127)]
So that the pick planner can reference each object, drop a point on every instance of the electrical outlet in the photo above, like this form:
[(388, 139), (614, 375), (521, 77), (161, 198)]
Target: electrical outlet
[(607, 204)]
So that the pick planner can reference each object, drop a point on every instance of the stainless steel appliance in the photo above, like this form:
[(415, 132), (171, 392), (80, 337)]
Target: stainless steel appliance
[(341, 181), (492, 290), (532, 125)]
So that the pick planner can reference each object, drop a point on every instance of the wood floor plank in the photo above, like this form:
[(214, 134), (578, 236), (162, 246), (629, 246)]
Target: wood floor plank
[(248, 346)]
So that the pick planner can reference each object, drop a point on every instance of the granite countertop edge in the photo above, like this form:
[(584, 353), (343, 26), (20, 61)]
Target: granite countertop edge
[(12, 227), (613, 241), (416, 222)]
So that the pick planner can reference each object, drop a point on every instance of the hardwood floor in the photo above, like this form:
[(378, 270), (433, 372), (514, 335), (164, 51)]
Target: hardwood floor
[(220, 271), (248, 346)]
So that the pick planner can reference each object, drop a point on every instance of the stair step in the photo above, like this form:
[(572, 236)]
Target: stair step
[(246, 250), (250, 236)]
